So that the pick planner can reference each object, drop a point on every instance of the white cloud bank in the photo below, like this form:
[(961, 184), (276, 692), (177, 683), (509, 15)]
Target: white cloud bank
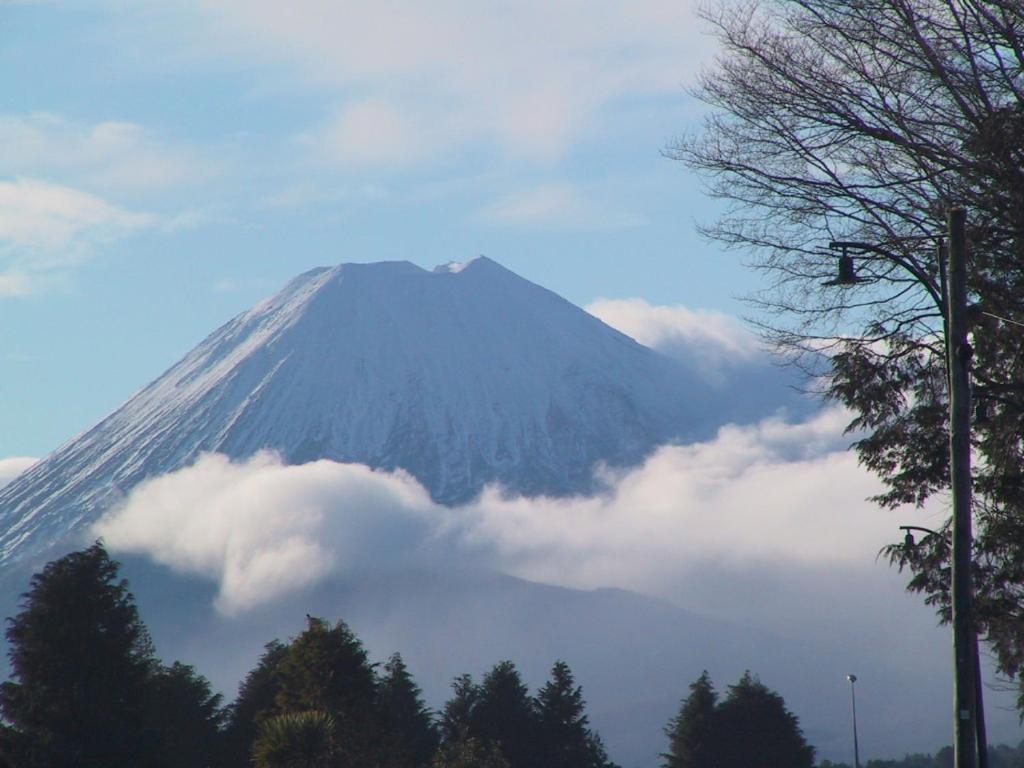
[(771, 495)]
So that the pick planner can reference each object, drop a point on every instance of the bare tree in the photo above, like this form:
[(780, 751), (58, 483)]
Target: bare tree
[(865, 120)]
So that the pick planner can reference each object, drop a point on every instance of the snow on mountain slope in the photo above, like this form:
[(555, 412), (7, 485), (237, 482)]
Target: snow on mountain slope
[(463, 376)]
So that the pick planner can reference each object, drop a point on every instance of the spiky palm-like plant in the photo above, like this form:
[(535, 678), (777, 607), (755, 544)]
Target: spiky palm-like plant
[(295, 740)]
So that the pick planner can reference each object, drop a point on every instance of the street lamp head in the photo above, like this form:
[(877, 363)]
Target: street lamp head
[(847, 273), (852, 679), (908, 541)]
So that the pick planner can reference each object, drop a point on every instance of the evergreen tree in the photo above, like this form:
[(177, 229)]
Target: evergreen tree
[(186, 716), (564, 739), (256, 700), (325, 668), (410, 736), (505, 715), (457, 716), (80, 661), (690, 733), (755, 730), (466, 752)]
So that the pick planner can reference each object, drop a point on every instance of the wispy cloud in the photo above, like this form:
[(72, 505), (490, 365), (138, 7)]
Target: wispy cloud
[(556, 205), (110, 156), (714, 342), (46, 226), (374, 132), (41, 215), (530, 79), (663, 327)]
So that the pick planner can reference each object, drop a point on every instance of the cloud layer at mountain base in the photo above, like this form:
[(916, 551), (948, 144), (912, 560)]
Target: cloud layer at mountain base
[(261, 529)]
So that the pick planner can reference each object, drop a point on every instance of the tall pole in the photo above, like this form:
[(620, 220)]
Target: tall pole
[(979, 707), (853, 706), (958, 353)]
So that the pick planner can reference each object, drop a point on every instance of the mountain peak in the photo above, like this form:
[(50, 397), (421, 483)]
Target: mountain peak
[(476, 263), (461, 382)]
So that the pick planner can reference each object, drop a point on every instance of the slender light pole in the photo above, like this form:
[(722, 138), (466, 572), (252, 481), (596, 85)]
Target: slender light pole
[(979, 703), (951, 298), (958, 355), (853, 705)]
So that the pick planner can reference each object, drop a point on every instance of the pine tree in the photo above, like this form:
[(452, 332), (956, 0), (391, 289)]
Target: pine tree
[(186, 716), (457, 715), (755, 730), (325, 668), (505, 715), (256, 700), (564, 738), (690, 733), (410, 736), (80, 662), (467, 752)]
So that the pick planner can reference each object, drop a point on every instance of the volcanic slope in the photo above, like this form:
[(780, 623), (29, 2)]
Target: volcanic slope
[(462, 376)]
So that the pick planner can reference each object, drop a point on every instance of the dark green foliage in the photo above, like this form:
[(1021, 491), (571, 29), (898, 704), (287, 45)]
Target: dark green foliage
[(186, 716), (467, 752), (750, 728), (755, 730), (408, 734), (1002, 756), (87, 691), (690, 735), (81, 660), (457, 716), (550, 731), (256, 700), (325, 668), (504, 714), (296, 740), (564, 739)]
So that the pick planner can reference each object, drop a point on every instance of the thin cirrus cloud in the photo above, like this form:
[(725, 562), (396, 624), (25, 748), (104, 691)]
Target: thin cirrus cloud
[(44, 216), (107, 157), (556, 206), (261, 529), (46, 227), (373, 132), (529, 79)]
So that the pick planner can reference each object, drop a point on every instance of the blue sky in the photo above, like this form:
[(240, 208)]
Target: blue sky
[(164, 165)]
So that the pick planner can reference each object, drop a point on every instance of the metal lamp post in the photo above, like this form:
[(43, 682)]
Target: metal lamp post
[(979, 704), (853, 704), (952, 300)]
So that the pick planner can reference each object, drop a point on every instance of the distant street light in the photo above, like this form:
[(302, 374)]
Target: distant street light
[(853, 702)]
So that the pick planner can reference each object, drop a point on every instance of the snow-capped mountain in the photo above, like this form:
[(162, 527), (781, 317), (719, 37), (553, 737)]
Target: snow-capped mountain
[(462, 376)]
